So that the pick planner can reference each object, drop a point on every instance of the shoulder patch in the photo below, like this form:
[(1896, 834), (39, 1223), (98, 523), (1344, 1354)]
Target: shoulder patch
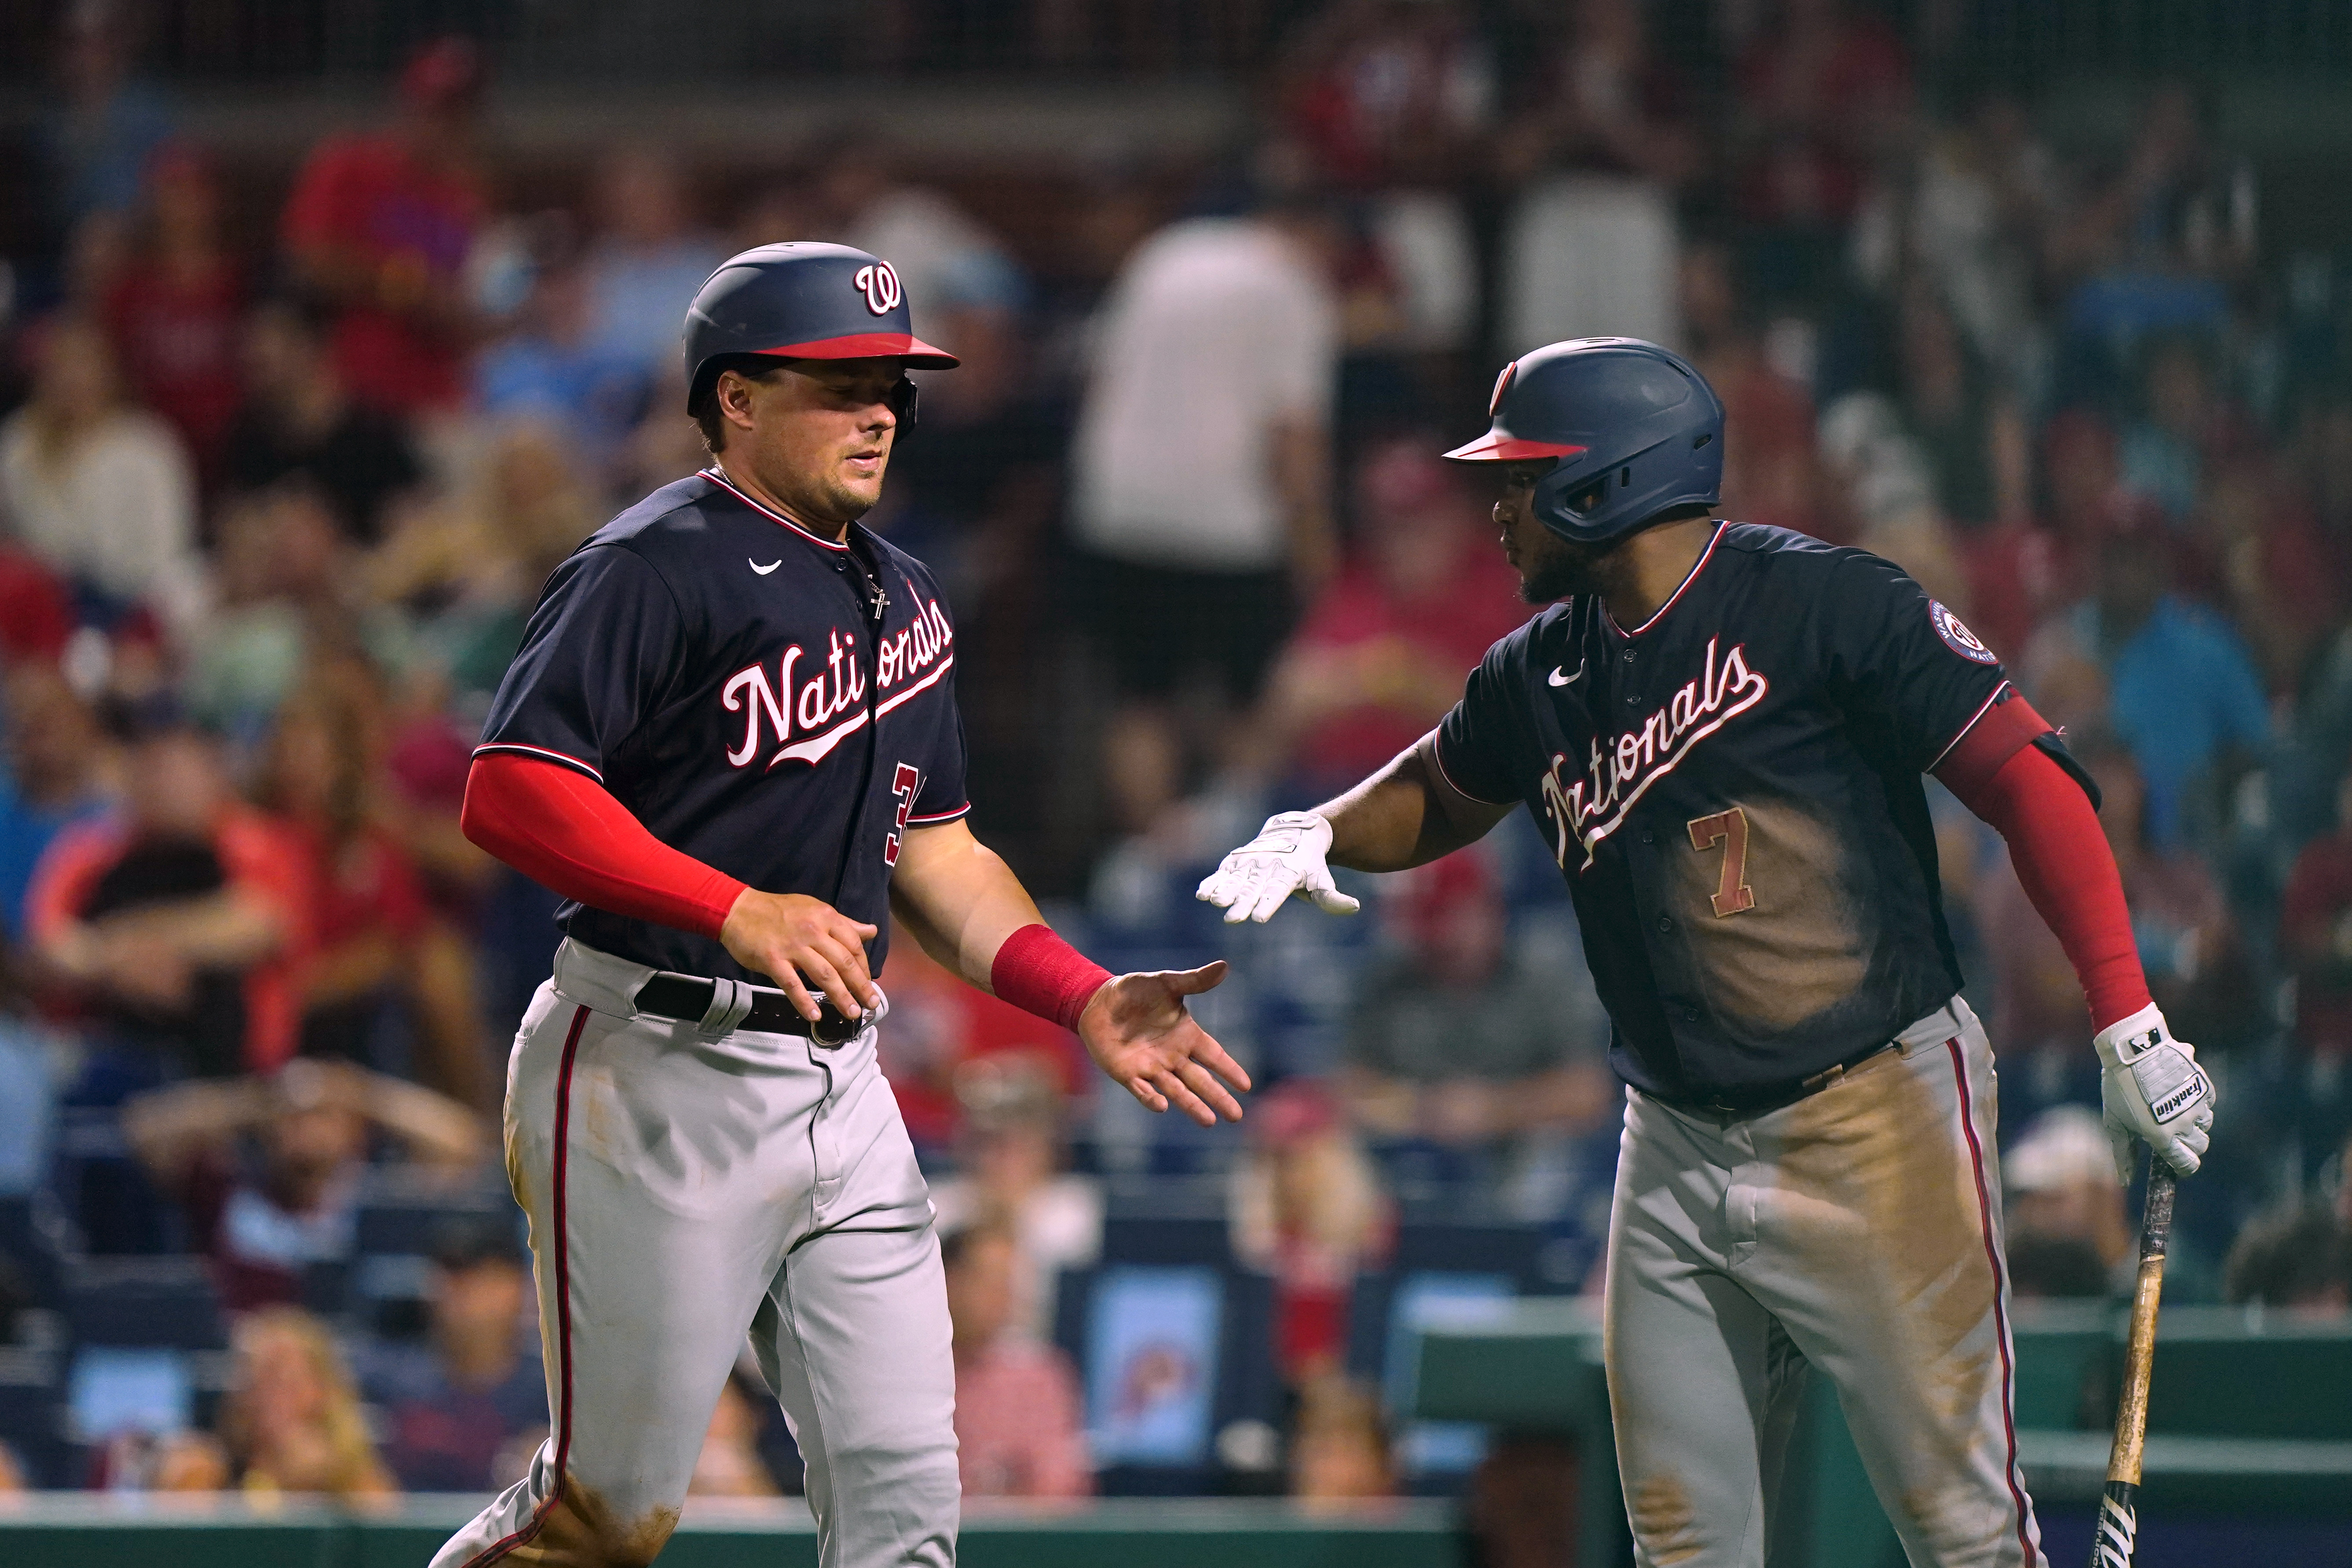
[(1957, 636)]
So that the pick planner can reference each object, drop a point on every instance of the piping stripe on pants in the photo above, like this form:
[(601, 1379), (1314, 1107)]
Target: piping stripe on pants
[(1999, 1293), (563, 1251)]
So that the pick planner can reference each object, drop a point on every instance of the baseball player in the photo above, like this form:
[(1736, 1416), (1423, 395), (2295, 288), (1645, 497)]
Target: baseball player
[(1721, 729), (730, 741)]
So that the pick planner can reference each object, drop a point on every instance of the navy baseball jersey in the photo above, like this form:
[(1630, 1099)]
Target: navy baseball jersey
[(724, 674), (1733, 792)]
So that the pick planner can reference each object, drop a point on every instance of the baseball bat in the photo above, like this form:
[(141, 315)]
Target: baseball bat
[(2111, 1544)]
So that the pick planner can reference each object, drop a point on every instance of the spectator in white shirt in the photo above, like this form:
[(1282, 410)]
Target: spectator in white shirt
[(103, 493), (1201, 484)]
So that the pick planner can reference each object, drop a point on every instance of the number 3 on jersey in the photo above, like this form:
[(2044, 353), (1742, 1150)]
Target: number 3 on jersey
[(1729, 828), (903, 784)]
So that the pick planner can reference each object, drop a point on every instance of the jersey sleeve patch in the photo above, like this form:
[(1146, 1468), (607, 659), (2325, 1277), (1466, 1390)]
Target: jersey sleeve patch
[(1957, 636)]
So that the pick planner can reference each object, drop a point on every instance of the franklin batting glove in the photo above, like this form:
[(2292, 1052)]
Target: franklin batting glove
[(2152, 1090), (1286, 857)]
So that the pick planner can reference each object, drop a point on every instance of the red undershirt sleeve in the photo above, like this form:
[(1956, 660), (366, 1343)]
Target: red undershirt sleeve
[(563, 830), (2058, 849)]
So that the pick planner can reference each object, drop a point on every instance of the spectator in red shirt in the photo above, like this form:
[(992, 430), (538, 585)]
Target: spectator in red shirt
[(1306, 1207), (373, 937), (2027, 567), (2270, 565), (1376, 93), (174, 314), (2315, 929), (1386, 645), (382, 224), (1770, 470), (1016, 1416), (179, 921), (1817, 88), (36, 613)]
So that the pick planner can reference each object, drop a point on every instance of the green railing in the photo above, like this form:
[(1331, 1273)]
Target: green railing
[(2248, 1416), (71, 1529)]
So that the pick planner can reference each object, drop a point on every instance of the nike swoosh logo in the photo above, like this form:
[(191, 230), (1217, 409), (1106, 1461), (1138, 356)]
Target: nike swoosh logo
[(764, 571), (1557, 678)]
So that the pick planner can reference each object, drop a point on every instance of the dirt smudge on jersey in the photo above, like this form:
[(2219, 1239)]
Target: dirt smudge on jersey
[(1663, 1520), (1798, 952), (580, 1530)]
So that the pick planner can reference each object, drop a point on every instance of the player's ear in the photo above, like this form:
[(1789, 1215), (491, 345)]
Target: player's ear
[(733, 396)]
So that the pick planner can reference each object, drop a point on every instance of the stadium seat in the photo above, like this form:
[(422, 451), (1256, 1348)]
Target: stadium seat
[(160, 1303), (31, 1371)]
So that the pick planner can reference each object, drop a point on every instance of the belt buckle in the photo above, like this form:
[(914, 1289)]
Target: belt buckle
[(833, 1028)]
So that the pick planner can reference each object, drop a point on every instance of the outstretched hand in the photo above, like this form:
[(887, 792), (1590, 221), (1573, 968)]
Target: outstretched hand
[(1137, 1030), (1286, 857)]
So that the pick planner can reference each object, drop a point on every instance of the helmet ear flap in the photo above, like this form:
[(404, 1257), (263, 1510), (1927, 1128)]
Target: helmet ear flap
[(905, 398)]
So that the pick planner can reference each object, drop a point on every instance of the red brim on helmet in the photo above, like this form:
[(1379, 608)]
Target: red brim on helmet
[(1500, 447), (919, 354)]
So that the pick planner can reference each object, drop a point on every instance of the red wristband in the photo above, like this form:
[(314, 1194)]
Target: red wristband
[(1039, 973)]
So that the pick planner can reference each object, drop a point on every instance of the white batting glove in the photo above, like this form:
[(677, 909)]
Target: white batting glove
[(1286, 857), (2153, 1089)]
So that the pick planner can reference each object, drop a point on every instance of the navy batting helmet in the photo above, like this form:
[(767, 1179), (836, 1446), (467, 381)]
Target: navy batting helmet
[(802, 300), (1635, 429)]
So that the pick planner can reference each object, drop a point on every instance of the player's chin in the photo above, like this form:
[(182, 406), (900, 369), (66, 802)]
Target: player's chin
[(861, 482)]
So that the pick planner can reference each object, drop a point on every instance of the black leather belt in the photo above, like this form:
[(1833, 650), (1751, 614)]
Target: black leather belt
[(1764, 1098), (765, 1010)]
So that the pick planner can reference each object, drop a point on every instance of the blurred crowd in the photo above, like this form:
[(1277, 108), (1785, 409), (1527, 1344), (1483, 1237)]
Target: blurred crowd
[(287, 452)]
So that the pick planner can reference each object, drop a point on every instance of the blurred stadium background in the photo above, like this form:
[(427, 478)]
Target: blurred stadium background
[(326, 328)]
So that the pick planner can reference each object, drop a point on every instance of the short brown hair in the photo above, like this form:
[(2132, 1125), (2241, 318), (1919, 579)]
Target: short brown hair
[(705, 408)]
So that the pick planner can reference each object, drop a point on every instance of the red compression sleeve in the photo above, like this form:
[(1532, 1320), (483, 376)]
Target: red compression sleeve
[(562, 829), (1039, 973), (2064, 863)]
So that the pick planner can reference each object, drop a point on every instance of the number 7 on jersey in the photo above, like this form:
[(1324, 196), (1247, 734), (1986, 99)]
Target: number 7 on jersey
[(1729, 828)]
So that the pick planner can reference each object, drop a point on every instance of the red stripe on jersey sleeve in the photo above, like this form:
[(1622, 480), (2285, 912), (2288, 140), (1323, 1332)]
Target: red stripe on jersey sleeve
[(1998, 732)]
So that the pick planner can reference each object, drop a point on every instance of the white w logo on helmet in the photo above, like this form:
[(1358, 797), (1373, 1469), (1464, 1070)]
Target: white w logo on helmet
[(881, 286)]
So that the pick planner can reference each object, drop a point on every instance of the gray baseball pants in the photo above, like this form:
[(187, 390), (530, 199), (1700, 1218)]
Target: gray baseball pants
[(686, 1184), (1858, 1232)]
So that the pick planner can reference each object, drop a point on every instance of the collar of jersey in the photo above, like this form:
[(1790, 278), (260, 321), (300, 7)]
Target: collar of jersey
[(1690, 577), (716, 477)]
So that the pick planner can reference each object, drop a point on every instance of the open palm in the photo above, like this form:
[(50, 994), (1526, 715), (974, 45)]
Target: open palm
[(1137, 1030)]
